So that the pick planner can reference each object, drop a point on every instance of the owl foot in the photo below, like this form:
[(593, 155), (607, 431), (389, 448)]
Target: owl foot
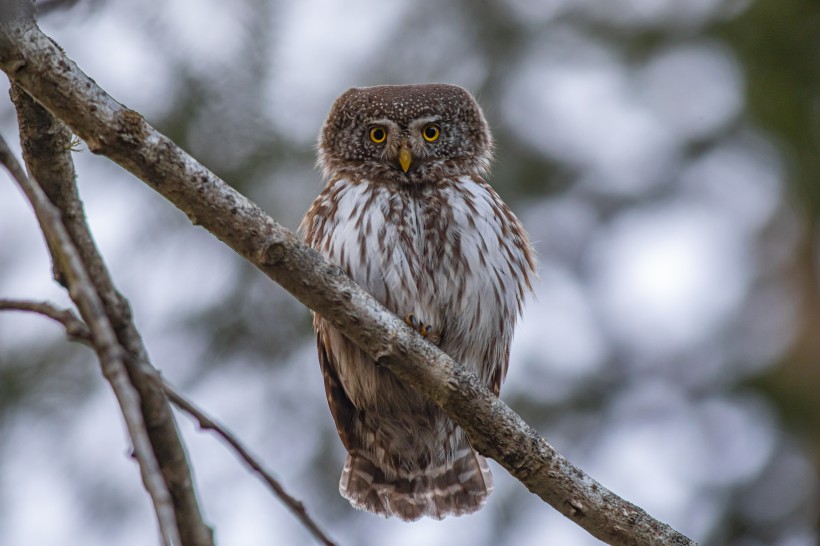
[(425, 330)]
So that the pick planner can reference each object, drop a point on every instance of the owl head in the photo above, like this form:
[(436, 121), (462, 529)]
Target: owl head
[(405, 134)]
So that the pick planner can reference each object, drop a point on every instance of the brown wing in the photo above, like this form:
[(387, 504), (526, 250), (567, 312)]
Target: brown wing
[(342, 409), (497, 379), (501, 370)]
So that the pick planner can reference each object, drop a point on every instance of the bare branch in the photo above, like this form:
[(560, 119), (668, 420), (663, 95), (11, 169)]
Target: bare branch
[(74, 326), (46, 148), (105, 342), (207, 423), (46, 142), (36, 64), (77, 329)]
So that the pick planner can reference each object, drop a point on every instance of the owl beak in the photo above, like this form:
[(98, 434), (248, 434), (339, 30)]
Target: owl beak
[(405, 156)]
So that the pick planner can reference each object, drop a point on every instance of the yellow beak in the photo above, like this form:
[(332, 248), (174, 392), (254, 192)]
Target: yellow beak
[(405, 157)]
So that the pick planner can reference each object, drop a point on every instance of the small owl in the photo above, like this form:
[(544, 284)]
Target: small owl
[(406, 212)]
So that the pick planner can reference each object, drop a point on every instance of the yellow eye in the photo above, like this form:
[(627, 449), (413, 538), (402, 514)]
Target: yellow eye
[(431, 133), (378, 135)]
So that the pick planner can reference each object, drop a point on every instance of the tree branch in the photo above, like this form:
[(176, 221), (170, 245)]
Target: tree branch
[(78, 330), (36, 64), (46, 143), (75, 328), (206, 423), (105, 342), (46, 148)]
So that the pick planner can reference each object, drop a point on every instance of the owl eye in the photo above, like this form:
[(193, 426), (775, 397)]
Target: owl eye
[(378, 135), (431, 133)]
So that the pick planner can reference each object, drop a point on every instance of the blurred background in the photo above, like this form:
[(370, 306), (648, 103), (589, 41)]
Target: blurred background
[(663, 156)]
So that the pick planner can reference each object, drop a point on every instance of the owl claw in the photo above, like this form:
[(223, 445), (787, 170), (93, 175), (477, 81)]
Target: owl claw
[(413, 322), (425, 330)]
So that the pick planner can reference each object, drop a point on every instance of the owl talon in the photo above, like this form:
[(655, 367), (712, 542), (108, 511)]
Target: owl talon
[(411, 321), (425, 330)]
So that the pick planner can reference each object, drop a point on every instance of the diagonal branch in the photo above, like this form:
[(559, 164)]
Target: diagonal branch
[(36, 64), (46, 149), (206, 423), (105, 342)]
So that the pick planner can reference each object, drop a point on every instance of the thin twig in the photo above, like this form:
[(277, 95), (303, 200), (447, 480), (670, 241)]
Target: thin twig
[(75, 328), (207, 423), (108, 349)]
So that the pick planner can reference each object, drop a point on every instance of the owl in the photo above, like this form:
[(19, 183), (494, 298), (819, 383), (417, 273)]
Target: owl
[(407, 213)]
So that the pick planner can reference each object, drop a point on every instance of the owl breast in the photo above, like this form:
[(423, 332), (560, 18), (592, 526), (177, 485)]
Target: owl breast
[(450, 253)]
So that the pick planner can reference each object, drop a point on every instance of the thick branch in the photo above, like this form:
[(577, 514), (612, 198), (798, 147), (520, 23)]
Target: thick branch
[(46, 148), (31, 60), (105, 342), (46, 142)]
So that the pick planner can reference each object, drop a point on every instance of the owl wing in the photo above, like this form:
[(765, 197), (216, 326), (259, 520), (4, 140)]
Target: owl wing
[(500, 352), (341, 408)]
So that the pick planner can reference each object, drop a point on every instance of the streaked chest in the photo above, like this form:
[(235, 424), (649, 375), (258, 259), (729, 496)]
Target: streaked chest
[(437, 251)]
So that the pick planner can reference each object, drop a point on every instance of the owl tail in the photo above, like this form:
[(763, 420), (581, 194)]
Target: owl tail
[(436, 491)]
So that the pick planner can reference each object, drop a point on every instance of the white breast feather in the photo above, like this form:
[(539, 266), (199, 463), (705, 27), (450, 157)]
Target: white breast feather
[(368, 242)]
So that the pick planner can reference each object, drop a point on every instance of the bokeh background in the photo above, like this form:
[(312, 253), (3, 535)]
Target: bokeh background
[(663, 155)]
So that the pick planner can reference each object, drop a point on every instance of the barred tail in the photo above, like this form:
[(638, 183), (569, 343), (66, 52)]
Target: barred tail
[(436, 491)]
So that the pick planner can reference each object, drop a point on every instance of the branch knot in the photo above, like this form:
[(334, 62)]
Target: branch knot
[(273, 253)]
